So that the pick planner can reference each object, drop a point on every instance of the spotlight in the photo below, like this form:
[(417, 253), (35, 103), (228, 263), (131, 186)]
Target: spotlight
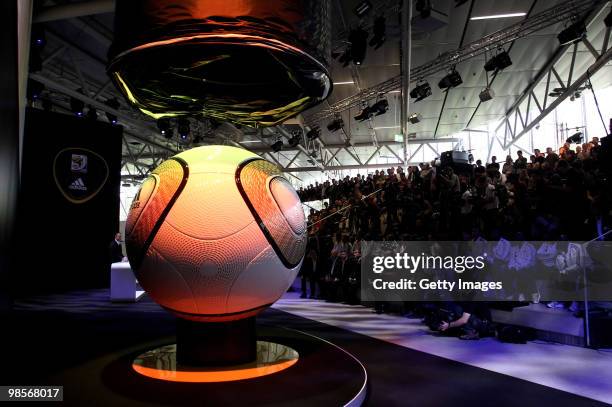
[(424, 8), (37, 43), (35, 89), (556, 92), (572, 34), (362, 8), (575, 96), (365, 114), (379, 30), (498, 62), (358, 39), (183, 128), (38, 37), (421, 91), (380, 107), (163, 124), (335, 125), (313, 133), (113, 103), (486, 95), (77, 106), (294, 141), (415, 118), (575, 138), (451, 80), (92, 113), (277, 146)]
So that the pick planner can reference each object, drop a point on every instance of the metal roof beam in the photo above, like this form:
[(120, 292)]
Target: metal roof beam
[(558, 14), (380, 143), (284, 133), (349, 167), (340, 147), (50, 83), (568, 91)]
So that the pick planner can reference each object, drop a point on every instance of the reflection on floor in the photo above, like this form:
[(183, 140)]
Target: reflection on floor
[(581, 371)]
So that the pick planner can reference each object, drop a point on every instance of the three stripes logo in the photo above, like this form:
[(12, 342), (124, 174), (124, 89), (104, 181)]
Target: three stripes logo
[(78, 185)]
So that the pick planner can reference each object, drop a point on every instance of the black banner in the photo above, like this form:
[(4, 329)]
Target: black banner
[(69, 202), (9, 145)]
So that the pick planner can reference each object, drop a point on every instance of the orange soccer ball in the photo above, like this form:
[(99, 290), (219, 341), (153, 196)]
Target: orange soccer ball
[(216, 233)]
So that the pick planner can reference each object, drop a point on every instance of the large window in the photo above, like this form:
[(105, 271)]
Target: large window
[(578, 114)]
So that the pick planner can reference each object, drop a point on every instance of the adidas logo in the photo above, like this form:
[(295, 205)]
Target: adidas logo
[(78, 185)]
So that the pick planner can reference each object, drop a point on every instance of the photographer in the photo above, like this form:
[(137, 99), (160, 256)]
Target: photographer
[(469, 321)]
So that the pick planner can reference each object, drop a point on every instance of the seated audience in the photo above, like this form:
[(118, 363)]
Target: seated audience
[(549, 197)]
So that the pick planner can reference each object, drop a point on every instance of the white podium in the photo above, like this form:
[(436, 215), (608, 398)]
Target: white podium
[(124, 286)]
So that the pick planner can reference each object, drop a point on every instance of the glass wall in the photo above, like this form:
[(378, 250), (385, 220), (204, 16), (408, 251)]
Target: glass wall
[(128, 192), (578, 114)]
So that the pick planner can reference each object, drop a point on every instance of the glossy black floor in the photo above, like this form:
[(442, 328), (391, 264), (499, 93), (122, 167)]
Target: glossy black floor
[(52, 337)]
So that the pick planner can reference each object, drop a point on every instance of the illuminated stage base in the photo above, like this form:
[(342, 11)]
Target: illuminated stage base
[(292, 368), (161, 364)]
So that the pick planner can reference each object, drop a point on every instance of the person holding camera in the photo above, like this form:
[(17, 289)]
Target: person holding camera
[(469, 321)]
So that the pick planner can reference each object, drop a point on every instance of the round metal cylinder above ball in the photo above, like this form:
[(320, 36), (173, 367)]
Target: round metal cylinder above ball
[(249, 62)]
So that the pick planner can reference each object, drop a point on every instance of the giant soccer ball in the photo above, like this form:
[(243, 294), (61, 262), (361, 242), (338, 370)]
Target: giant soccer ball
[(215, 234)]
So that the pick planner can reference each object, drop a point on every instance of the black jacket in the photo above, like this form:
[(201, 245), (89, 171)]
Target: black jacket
[(308, 269), (115, 252)]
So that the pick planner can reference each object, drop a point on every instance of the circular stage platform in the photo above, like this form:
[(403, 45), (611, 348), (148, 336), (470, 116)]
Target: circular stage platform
[(323, 374)]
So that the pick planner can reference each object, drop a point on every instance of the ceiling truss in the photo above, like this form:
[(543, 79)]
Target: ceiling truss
[(561, 13), (62, 74), (529, 110), (358, 163)]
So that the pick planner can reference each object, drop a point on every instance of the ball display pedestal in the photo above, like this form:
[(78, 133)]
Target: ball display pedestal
[(198, 258), (292, 368), (216, 343)]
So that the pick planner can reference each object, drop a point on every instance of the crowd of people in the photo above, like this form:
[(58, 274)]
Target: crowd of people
[(548, 196)]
